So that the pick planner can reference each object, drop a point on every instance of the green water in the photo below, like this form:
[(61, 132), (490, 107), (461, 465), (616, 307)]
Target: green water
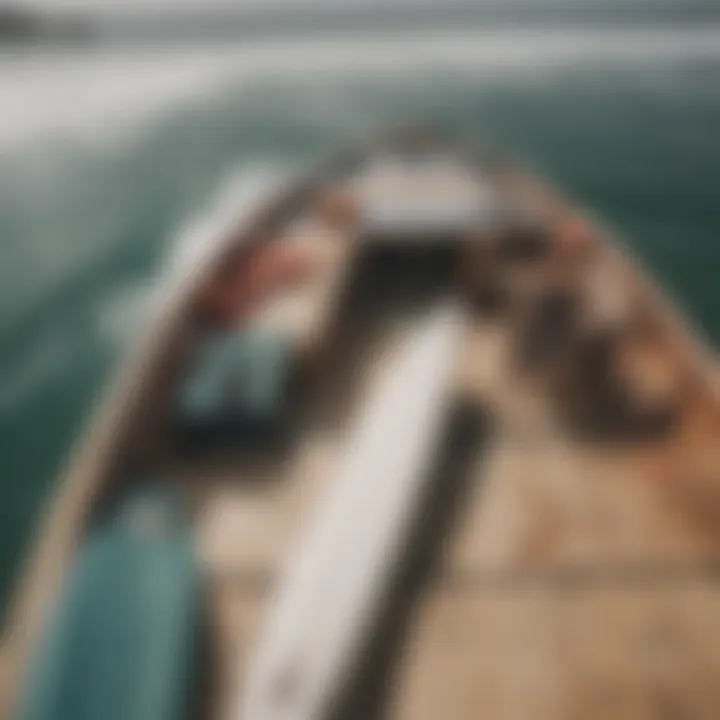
[(85, 223)]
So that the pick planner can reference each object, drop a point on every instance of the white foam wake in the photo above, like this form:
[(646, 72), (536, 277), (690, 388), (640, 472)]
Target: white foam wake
[(103, 93), (124, 309)]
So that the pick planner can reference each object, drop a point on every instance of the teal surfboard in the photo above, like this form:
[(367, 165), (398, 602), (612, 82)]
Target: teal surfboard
[(118, 644)]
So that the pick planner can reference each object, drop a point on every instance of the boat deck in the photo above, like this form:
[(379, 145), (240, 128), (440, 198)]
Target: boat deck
[(550, 578), (574, 586), (555, 571)]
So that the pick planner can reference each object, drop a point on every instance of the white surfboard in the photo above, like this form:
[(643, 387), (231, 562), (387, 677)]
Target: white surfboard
[(335, 583)]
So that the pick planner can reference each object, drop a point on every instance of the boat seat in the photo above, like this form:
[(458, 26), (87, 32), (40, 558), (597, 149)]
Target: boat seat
[(119, 640), (238, 382), (548, 332), (523, 244)]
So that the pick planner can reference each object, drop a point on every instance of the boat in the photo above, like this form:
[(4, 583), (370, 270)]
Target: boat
[(559, 558)]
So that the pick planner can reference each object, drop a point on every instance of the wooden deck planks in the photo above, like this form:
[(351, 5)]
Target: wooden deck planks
[(547, 505), (597, 651)]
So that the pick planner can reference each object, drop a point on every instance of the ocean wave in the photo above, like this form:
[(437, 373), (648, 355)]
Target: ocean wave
[(119, 314), (105, 93), (51, 357)]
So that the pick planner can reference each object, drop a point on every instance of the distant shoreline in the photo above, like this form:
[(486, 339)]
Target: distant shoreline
[(21, 26)]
